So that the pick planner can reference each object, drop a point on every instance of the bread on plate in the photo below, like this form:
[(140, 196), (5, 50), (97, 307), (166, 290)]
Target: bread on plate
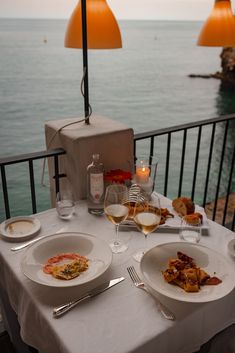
[(194, 218), (183, 205)]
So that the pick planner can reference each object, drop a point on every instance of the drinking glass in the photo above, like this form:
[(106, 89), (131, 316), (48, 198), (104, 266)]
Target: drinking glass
[(147, 217), (190, 232), (65, 204), (116, 196)]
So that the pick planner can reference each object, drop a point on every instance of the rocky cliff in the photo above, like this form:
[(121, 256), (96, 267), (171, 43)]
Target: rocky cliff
[(227, 75)]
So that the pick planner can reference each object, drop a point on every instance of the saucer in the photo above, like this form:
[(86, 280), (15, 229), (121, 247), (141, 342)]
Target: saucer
[(19, 228)]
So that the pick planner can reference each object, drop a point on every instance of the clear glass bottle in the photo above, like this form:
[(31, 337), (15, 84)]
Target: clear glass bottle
[(95, 186)]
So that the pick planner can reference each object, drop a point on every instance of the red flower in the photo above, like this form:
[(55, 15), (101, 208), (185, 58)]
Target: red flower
[(117, 176)]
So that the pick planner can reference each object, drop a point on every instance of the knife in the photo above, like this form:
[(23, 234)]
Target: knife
[(61, 310), (22, 246)]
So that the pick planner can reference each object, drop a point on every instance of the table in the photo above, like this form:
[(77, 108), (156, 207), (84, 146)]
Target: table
[(121, 320)]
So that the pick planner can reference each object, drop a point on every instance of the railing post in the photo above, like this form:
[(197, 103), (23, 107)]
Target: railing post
[(32, 186), (57, 180), (196, 162), (182, 163), (5, 193), (209, 164), (228, 189), (220, 170), (167, 162)]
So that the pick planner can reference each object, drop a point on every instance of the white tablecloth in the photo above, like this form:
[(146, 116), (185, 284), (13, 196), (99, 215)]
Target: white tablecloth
[(121, 320)]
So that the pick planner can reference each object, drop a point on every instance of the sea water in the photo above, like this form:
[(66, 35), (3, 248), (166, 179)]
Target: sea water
[(145, 85)]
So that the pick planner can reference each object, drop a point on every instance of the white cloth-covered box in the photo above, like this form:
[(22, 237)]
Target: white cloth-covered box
[(111, 139)]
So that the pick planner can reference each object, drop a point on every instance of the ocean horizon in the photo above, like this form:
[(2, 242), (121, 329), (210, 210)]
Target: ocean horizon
[(145, 85)]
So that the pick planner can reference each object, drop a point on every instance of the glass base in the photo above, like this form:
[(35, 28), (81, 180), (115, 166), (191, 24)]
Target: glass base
[(96, 211), (139, 254), (118, 247)]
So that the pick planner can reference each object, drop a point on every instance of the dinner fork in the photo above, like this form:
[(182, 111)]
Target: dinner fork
[(139, 284)]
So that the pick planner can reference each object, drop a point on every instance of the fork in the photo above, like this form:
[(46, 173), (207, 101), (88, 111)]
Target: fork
[(139, 284)]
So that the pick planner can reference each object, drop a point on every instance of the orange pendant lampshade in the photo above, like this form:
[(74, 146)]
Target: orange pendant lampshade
[(102, 28), (219, 29)]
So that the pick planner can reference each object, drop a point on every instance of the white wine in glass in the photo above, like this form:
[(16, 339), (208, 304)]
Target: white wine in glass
[(147, 217), (116, 209)]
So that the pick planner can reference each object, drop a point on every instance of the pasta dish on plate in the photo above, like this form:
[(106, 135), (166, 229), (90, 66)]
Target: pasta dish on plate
[(183, 272), (66, 266)]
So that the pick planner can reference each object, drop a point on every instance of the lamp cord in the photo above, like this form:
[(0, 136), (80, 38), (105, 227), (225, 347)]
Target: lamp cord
[(64, 126), (49, 143), (83, 94)]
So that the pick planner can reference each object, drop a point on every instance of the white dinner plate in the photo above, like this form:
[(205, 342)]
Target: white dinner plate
[(19, 228), (156, 260), (96, 250)]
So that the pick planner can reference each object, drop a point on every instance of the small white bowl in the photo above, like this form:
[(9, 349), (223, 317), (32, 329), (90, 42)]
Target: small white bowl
[(19, 228)]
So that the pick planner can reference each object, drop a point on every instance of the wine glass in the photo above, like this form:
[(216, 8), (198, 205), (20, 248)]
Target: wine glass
[(116, 196), (147, 217)]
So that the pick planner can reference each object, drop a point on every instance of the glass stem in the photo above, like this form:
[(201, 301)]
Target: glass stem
[(145, 242), (116, 242)]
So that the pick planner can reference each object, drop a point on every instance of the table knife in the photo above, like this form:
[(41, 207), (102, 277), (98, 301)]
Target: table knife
[(30, 242), (61, 310), (22, 246)]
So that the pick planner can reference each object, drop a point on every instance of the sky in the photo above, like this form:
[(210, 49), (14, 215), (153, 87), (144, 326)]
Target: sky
[(123, 9)]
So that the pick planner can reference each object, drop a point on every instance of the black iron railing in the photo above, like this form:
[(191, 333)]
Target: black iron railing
[(195, 159), (209, 142), (29, 158)]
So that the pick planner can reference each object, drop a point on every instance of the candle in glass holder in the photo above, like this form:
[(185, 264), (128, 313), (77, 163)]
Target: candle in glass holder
[(142, 173)]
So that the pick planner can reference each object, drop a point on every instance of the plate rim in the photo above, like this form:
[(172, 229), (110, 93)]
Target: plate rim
[(69, 284), (231, 250), (190, 299), (5, 235)]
